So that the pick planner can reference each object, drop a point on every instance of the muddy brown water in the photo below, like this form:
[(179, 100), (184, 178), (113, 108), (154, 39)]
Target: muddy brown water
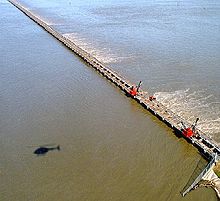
[(111, 148)]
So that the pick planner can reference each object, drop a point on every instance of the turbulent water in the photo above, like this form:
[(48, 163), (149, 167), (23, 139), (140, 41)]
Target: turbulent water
[(172, 46), (104, 55), (111, 148), (190, 105)]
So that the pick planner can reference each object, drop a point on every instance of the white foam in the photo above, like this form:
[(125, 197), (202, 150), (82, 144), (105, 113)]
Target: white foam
[(104, 55), (191, 105)]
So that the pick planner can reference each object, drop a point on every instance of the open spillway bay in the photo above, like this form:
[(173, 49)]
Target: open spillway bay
[(111, 148), (172, 46)]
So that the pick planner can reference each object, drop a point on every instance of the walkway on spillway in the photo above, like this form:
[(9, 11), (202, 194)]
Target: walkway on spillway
[(202, 141)]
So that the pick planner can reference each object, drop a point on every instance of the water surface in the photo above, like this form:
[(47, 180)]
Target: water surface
[(111, 148), (172, 46)]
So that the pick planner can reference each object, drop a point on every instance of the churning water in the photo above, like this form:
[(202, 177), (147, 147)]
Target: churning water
[(172, 46), (111, 148), (190, 105)]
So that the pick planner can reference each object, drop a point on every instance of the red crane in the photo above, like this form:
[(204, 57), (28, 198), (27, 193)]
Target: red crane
[(135, 89), (189, 131)]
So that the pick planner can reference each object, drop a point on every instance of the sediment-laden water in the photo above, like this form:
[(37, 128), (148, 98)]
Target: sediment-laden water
[(111, 148)]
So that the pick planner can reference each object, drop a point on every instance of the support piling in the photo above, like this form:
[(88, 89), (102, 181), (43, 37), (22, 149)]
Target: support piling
[(204, 143)]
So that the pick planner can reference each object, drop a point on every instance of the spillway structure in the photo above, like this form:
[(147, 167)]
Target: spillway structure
[(201, 141)]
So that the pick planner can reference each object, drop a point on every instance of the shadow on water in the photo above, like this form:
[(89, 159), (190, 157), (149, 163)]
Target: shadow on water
[(42, 150)]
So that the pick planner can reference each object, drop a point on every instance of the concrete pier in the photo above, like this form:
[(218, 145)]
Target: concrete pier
[(201, 141), (213, 181)]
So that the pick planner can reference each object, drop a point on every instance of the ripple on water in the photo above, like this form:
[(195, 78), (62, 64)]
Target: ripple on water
[(192, 104)]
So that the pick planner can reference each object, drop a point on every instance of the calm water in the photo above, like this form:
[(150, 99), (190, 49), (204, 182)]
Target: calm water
[(111, 148), (172, 46)]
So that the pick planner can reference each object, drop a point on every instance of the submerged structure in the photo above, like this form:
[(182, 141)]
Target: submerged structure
[(196, 137)]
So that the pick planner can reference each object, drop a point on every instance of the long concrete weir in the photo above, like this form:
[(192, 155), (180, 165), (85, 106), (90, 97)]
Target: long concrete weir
[(201, 141)]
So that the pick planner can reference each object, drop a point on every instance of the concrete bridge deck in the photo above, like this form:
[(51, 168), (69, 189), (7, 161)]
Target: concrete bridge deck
[(202, 141)]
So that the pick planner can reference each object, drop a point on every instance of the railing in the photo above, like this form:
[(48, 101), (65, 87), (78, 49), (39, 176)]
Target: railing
[(187, 188), (156, 107)]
